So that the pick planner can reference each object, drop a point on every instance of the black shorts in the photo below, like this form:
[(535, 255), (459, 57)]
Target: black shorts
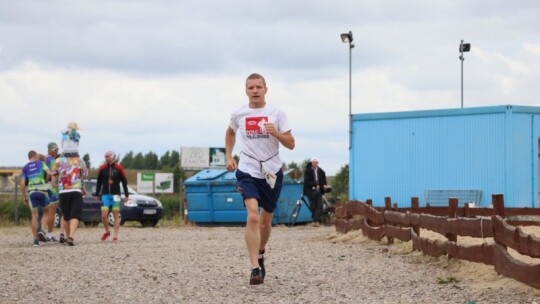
[(71, 204), (251, 187)]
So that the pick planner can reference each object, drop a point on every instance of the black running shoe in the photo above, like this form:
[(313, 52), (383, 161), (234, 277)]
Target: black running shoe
[(261, 263), (256, 277), (42, 237), (62, 239)]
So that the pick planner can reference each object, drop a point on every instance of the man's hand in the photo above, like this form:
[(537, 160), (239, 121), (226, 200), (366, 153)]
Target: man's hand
[(286, 139), (270, 128), (230, 139), (26, 202), (231, 164)]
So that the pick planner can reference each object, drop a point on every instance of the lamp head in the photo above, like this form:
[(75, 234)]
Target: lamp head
[(347, 37)]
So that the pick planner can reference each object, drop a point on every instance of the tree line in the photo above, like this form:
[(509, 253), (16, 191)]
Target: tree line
[(148, 161)]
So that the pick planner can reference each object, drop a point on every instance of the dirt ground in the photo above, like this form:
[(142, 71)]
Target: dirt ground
[(190, 264)]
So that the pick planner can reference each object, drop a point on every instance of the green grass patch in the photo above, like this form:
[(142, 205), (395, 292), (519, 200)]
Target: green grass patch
[(7, 213)]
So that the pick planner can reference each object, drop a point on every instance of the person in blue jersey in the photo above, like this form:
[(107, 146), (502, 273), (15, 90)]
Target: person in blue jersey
[(34, 190)]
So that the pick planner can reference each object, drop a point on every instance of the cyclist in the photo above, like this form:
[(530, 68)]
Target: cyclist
[(111, 173), (35, 194)]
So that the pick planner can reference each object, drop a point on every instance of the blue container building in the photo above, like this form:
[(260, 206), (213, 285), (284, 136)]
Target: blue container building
[(212, 197), (485, 151)]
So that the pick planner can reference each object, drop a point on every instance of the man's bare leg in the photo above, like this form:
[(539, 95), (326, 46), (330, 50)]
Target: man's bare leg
[(253, 234), (265, 228), (116, 215)]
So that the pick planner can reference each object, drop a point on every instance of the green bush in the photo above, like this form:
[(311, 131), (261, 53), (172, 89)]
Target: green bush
[(7, 212), (171, 206)]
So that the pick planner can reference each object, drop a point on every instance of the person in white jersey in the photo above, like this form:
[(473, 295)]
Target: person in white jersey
[(262, 127)]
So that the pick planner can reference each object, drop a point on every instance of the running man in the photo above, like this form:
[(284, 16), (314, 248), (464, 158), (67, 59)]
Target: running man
[(110, 175), (259, 176), (35, 194)]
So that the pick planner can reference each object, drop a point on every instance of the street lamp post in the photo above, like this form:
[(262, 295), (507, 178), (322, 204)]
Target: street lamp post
[(348, 38), (463, 47)]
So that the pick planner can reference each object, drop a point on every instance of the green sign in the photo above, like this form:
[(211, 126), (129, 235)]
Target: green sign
[(147, 177)]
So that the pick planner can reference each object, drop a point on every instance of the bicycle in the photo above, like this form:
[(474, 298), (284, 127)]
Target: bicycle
[(327, 208)]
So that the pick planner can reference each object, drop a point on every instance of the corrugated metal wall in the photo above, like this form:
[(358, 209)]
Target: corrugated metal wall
[(403, 154)]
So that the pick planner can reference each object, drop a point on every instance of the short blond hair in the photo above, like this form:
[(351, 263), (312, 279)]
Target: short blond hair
[(256, 76)]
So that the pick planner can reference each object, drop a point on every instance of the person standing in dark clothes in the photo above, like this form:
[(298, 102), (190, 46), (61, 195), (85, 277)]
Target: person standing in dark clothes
[(110, 175), (314, 185)]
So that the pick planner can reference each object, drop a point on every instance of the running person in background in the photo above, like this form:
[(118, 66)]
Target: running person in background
[(110, 175), (52, 154), (262, 128), (35, 195)]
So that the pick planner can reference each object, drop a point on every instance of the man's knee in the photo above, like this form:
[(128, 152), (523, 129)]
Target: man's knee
[(253, 218), (265, 225)]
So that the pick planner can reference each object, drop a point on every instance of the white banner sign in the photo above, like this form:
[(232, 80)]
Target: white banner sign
[(200, 158), (155, 182)]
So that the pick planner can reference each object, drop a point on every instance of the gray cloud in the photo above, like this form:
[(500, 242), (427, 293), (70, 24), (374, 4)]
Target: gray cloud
[(171, 71)]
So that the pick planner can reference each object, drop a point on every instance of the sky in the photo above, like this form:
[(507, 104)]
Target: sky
[(160, 75)]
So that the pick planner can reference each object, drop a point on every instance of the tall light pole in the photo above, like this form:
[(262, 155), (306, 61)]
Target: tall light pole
[(348, 38), (463, 47)]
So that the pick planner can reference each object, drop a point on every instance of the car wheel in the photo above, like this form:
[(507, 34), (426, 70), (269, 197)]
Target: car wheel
[(57, 218), (110, 218), (149, 223)]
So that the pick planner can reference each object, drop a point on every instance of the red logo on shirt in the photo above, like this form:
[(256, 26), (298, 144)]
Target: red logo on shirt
[(255, 125)]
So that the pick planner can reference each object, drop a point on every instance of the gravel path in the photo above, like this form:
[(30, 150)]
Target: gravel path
[(305, 264)]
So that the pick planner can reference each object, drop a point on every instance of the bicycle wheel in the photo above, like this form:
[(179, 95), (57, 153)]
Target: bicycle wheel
[(295, 213)]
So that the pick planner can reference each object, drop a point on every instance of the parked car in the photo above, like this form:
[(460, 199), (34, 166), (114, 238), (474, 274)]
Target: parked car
[(147, 210)]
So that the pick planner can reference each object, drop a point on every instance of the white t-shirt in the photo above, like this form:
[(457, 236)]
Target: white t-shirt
[(256, 142)]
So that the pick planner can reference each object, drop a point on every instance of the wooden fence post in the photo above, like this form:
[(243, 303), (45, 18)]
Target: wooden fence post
[(453, 205), (369, 202), (414, 207), (497, 200), (16, 214), (388, 206), (466, 210), (498, 204)]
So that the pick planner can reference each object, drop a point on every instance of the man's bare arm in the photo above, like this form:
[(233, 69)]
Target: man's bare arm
[(230, 141)]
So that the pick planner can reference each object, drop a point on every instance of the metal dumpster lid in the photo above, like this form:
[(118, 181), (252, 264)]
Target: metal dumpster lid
[(229, 176), (208, 174)]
